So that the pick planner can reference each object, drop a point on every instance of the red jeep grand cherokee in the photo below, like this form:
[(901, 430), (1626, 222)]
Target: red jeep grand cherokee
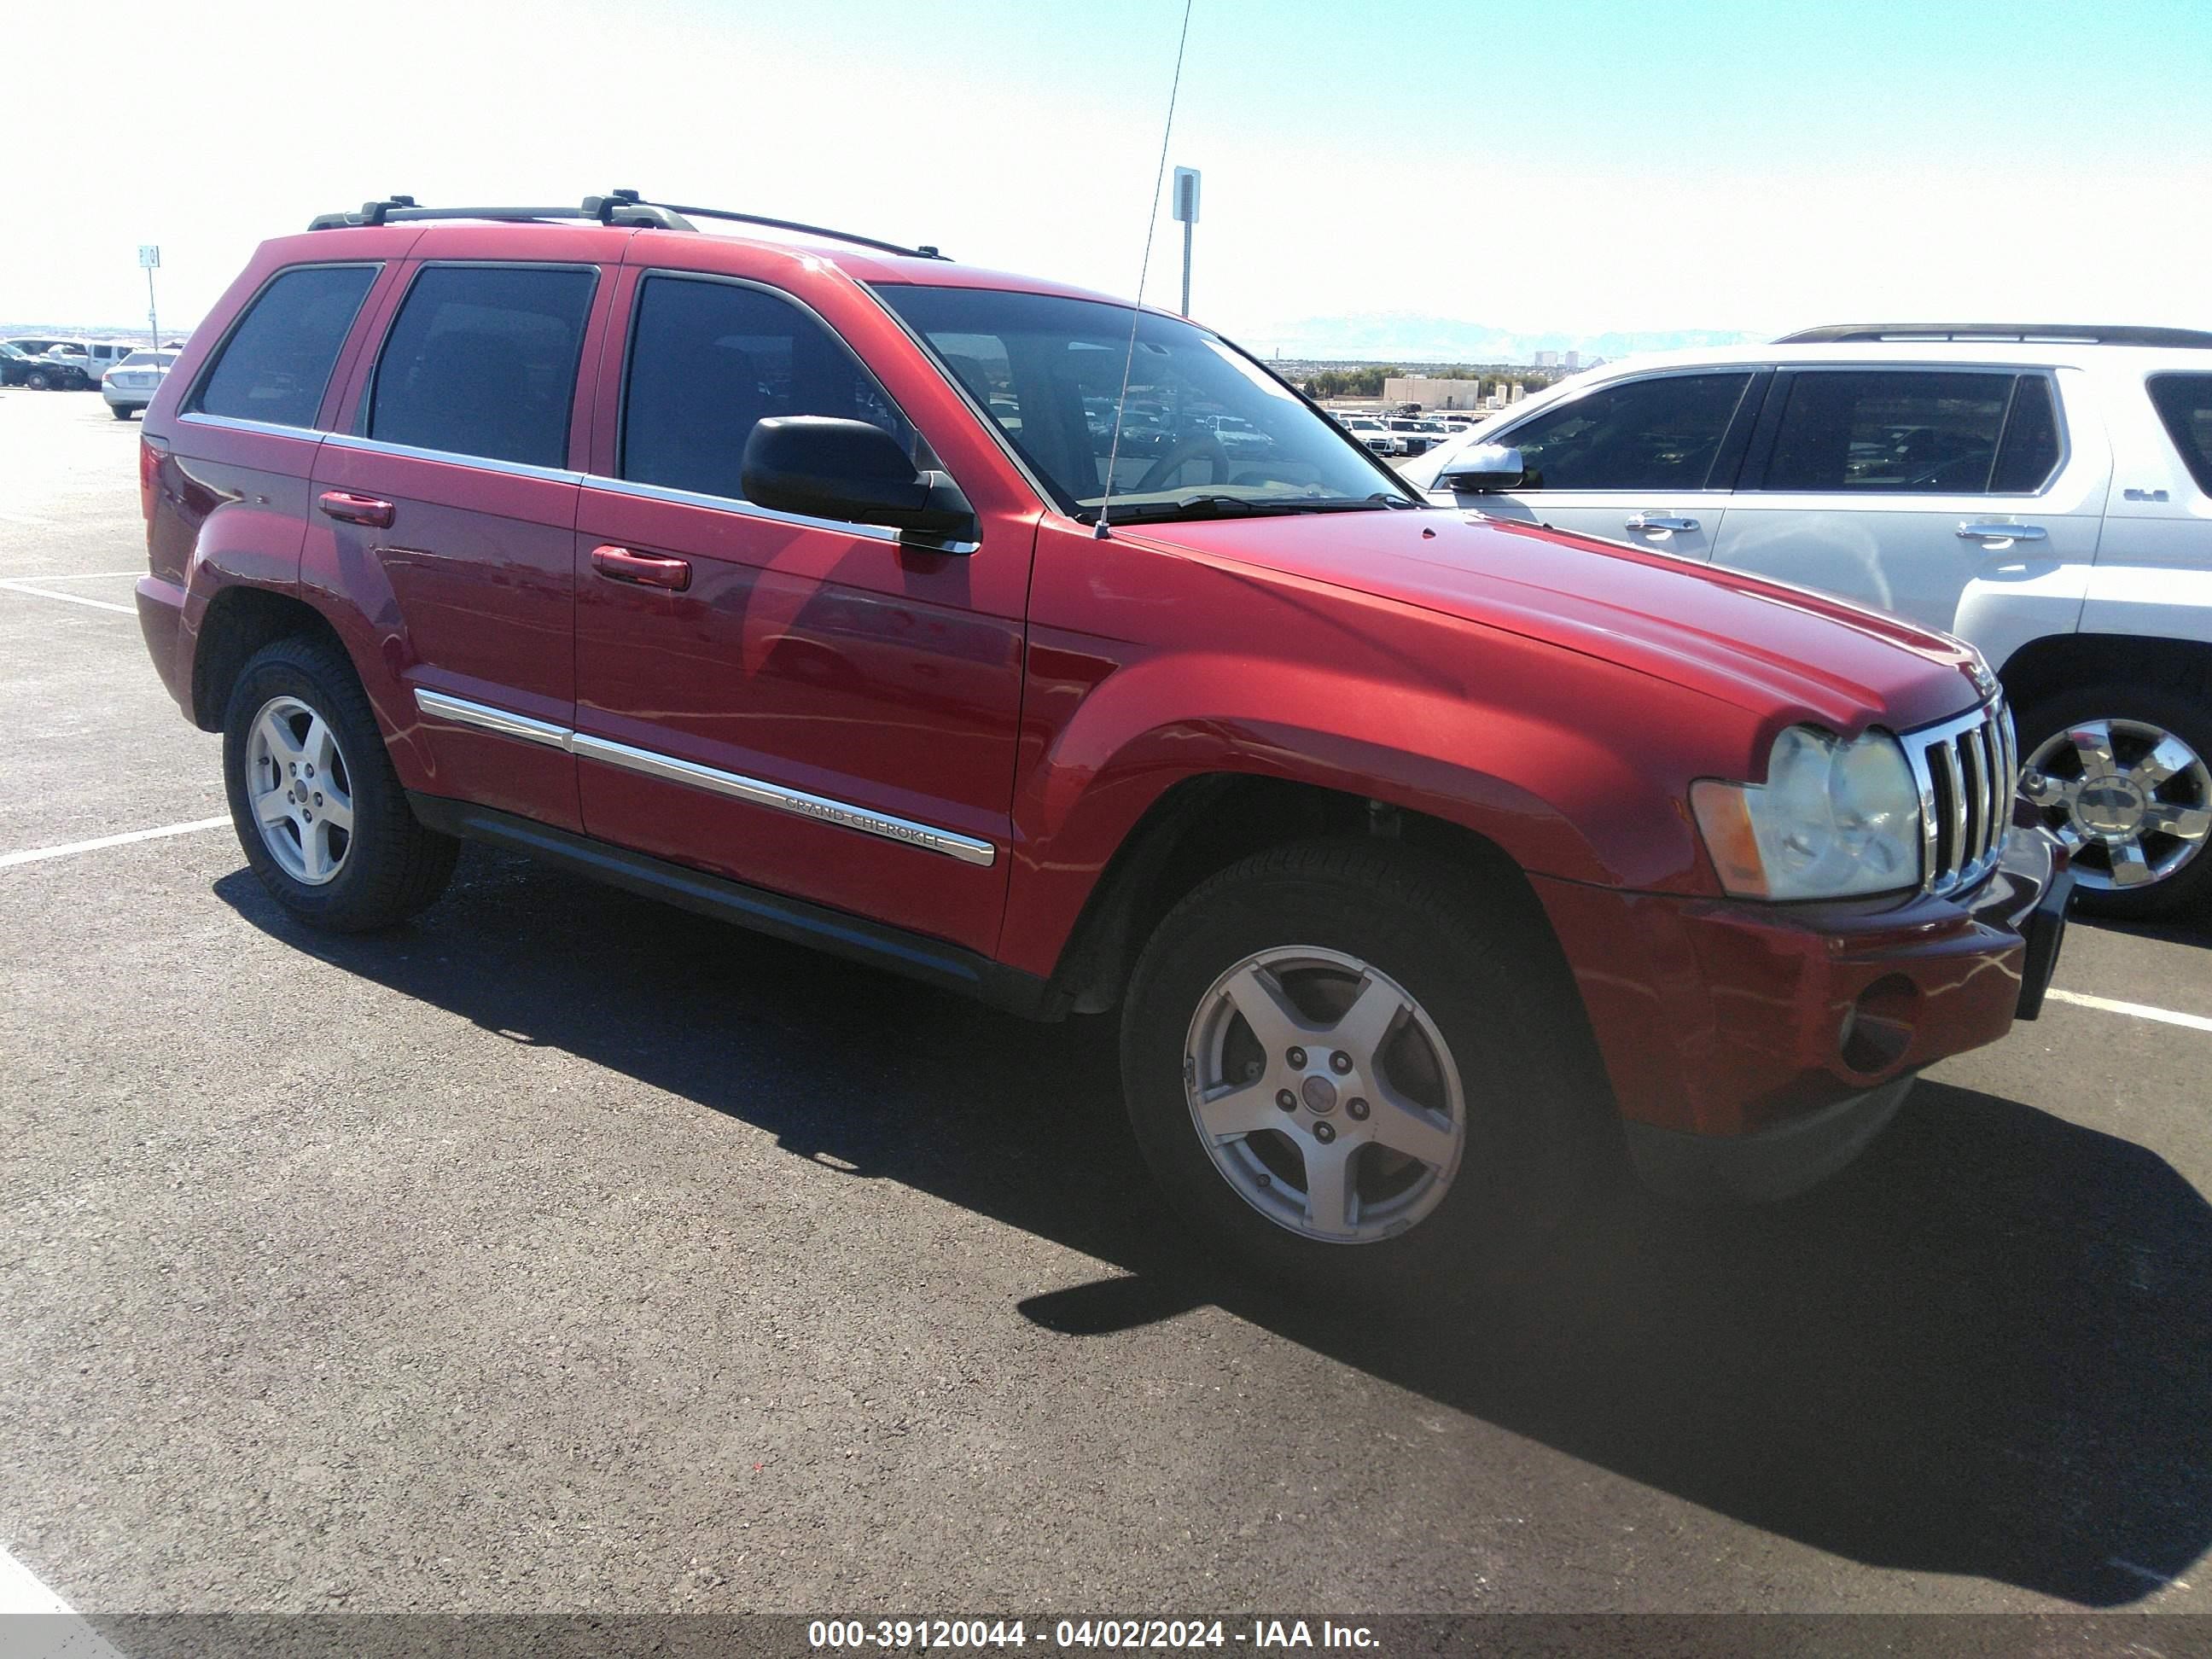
[(764, 573)]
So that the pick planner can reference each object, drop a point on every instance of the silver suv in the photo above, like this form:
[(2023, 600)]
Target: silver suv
[(2043, 491)]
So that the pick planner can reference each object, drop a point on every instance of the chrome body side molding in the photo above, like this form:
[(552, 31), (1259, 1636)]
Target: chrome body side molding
[(756, 791)]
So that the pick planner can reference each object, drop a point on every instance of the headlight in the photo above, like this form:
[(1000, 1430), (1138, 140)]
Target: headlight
[(1833, 819)]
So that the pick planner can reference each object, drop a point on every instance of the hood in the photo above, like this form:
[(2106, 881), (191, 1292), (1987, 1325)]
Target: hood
[(1766, 647)]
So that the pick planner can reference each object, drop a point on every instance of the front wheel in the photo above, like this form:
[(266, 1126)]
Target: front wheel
[(2123, 774), (38, 379), (320, 813), (1338, 1070)]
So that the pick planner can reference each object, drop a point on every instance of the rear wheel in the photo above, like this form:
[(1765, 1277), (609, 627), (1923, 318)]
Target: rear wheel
[(121, 411), (2123, 774), (320, 813), (1336, 1068)]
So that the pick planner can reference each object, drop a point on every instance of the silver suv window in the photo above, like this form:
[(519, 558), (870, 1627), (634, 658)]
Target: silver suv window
[(1662, 432), (1896, 431), (2184, 403)]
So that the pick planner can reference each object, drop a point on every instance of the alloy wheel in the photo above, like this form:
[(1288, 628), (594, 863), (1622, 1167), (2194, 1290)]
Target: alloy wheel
[(2132, 801), (301, 791), (1325, 1095)]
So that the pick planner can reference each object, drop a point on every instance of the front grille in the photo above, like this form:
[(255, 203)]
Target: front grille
[(1968, 771)]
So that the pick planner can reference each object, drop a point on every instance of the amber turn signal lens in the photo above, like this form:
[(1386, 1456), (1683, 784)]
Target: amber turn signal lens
[(1724, 817)]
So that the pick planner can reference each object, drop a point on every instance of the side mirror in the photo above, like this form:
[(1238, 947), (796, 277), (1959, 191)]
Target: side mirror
[(1484, 468), (854, 472)]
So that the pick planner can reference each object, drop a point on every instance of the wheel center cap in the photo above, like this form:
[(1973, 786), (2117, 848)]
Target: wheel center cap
[(2110, 805), (1319, 1095)]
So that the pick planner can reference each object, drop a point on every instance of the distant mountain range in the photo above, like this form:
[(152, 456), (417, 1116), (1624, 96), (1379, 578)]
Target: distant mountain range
[(1381, 336)]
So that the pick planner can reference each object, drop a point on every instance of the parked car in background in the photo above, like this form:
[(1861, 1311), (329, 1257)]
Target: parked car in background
[(47, 365), (1425, 860), (15, 364), (101, 356), (131, 384), (1413, 437), (1374, 434), (2044, 492)]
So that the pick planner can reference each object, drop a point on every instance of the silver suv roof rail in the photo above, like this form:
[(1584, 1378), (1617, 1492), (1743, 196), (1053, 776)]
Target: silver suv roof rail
[(2024, 333), (616, 207)]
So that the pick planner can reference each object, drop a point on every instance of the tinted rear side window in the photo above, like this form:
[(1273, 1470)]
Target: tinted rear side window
[(2028, 454), (708, 360), (2183, 402), (1891, 432), (482, 361), (278, 361)]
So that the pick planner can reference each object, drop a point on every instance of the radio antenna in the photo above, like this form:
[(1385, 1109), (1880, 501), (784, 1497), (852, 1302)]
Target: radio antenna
[(1137, 309)]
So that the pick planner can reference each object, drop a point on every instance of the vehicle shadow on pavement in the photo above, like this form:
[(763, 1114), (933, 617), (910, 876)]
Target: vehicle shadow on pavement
[(1985, 1349)]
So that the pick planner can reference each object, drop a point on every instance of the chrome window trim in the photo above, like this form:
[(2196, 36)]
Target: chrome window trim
[(874, 532), (668, 768), (454, 457), (234, 423)]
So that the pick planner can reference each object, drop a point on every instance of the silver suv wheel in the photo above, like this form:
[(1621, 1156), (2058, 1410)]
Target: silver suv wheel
[(1325, 1095), (300, 789), (2132, 801)]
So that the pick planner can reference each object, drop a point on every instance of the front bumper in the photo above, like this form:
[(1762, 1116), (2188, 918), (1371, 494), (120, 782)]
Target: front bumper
[(1779, 1038)]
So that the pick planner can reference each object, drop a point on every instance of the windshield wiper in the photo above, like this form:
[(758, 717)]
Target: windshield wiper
[(1231, 506)]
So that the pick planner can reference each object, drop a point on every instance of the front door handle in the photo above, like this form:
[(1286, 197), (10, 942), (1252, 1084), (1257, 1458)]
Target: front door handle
[(1659, 523), (2002, 532), (357, 509), (619, 564)]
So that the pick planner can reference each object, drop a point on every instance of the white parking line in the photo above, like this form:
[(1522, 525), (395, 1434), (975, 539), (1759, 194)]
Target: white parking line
[(70, 849), (52, 1630), (77, 576), (68, 598), (2134, 1010)]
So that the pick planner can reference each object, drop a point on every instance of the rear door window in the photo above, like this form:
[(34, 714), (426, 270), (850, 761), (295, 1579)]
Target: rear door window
[(709, 360), (481, 361), (1914, 432), (278, 361), (2184, 403), (1660, 432)]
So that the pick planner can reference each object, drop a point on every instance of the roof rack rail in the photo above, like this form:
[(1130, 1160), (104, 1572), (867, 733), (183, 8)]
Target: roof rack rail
[(2023, 333), (617, 200), (616, 207), (402, 209)]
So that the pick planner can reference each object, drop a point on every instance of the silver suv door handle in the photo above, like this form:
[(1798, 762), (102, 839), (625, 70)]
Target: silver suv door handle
[(1660, 523), (2002, 532)]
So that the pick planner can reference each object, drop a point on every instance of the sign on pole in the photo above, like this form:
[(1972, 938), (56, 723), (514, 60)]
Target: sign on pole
[(1186, 213), (150, 257), (1186, 196)]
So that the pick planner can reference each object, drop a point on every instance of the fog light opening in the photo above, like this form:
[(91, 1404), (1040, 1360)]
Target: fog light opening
[(1877, 1028)]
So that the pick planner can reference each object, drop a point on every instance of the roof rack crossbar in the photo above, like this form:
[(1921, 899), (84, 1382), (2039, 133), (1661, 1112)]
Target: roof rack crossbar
[(616, 207), (2022, 333), (401, 210)]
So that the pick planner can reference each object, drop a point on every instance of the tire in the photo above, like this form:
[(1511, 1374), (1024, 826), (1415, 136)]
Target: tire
[(2171, 815), (384, 865), (1517, 1073), (121, 411), (38, 379)]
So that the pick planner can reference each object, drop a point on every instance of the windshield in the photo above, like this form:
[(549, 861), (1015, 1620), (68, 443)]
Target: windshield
[(1206, 432)]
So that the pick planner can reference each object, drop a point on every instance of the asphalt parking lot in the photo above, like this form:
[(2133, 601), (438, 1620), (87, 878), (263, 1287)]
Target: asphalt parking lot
[(565, 1252)]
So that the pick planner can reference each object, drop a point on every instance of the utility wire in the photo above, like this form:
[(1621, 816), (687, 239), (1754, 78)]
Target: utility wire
[(1137, 310)]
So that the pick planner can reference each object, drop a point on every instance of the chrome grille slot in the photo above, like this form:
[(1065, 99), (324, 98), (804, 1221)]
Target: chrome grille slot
[(1968, 770)]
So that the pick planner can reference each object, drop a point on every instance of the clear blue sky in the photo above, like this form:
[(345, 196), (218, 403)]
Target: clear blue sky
[(1574, 166)]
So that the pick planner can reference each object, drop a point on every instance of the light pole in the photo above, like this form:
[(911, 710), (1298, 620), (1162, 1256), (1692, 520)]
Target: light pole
[(149, 260), (1186, 211)]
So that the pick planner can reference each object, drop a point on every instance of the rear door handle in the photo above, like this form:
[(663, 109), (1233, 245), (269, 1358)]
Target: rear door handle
[(357, 509), (1660, 524), (619, 564), (2002, 532)]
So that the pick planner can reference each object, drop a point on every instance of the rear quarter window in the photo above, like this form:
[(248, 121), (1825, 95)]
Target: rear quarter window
[(2184, 403), (277, 360)]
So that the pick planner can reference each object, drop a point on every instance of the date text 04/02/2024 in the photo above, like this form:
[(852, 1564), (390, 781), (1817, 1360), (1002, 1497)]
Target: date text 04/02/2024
[(1140, 1635)]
